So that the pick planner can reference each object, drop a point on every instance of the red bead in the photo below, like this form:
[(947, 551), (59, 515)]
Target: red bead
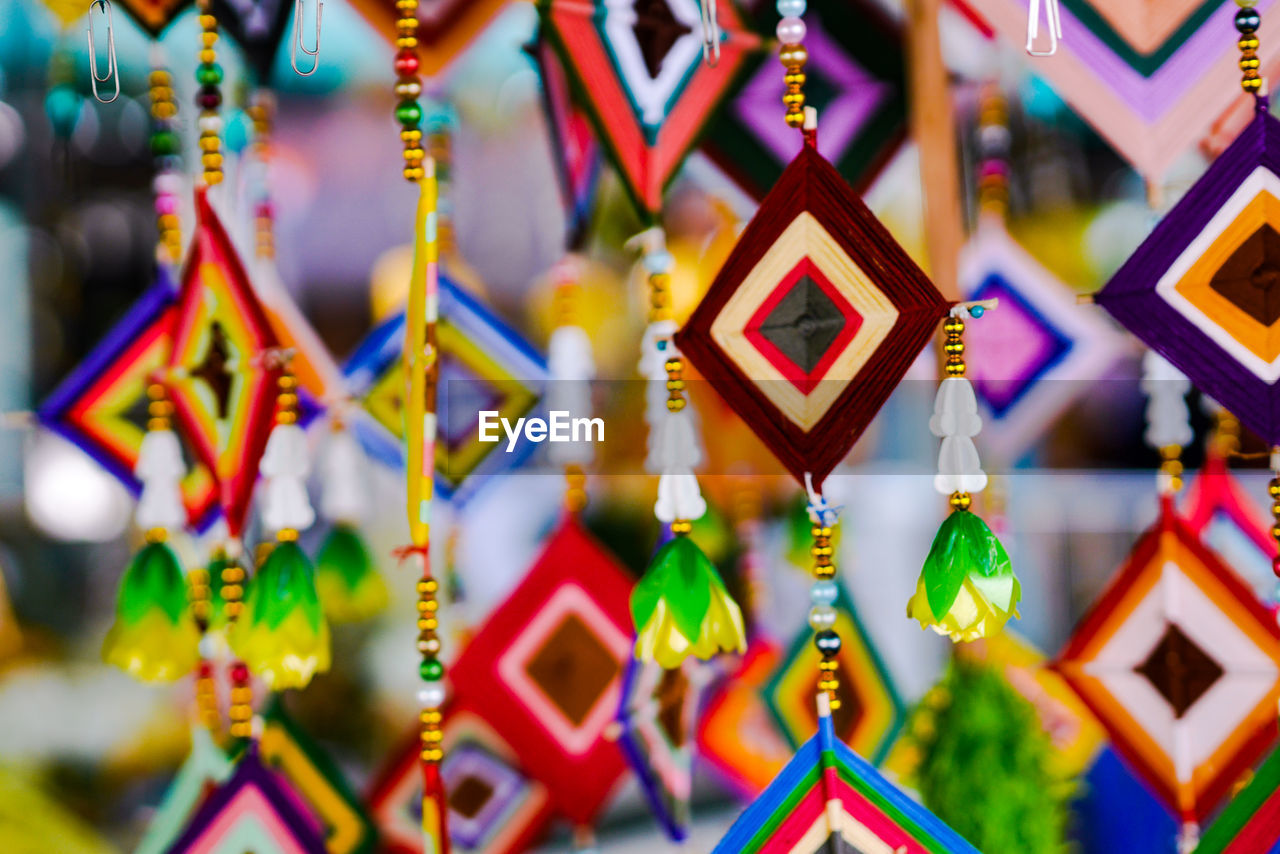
[(406, 64), (239, 672), (205, 670)]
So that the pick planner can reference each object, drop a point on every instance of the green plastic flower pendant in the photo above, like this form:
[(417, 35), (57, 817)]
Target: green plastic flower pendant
[(350, 586), (681, 607), (154, 637), (967, 588), (282, 633)]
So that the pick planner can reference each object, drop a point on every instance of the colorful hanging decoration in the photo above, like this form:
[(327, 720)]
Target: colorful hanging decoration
[(870, 712), (254, 810), (102, 405), (967, 588), (827, 798), (443, 29), (287, 749), (639, 66), (484, 364), (655, 722), (1152, 80), (738, 738), (1196, 291), (546, 669), (206, 767), (219, 376), (494, 807), (1181, 664), (258, 26), (1250, 824), (576, 153), (155, 636), (813, 320), (1040, 351), (854, 77)]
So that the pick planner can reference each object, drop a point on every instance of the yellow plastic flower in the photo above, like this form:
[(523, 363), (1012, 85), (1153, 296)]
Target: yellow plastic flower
[(154, 637), (967, 588), (681, 607)]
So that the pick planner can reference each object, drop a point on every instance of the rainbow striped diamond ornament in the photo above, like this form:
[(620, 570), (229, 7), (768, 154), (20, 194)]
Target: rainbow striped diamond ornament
[(101, 406), (484, 365), (220, 373), (829, 799), (1250, 824)]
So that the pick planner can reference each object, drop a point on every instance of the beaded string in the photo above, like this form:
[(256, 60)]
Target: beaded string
[(823, 593), (567, 294), (954, 366), (168, 164), (793, 56), (209, 96), (262, 112), (1247, 22), (993, 153), (408, 87)]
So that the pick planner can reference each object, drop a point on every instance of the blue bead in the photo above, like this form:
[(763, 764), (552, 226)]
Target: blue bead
[(791, 8), (823, 592), (976, 311)]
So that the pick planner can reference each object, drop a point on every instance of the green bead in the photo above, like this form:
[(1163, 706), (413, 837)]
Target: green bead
[(62, 106), (408, 113), (431, 670), (164, 143), (209, 74)]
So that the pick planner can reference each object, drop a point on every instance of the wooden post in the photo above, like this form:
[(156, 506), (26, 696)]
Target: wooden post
[(934, 129)]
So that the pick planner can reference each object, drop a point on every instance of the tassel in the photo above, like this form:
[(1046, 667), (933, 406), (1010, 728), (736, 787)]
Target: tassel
[(350, 586), (285, 464), (281, 633), (154, 637), (161, 469)]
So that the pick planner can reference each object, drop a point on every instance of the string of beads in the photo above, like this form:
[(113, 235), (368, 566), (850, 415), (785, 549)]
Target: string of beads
[(793, 56), (408, 87), (262, 112), (164, 149), (822, 613), (209, 96), (953, 350), (993, 152), (1247, 22)]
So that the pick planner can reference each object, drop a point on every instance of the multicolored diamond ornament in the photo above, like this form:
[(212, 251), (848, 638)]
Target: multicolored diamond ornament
[(259, 27), (155, 16), (813, 320), (870, 712), (484, 365), (1038, 353), (1153, 77), (854, 77), (1203, 290), (287, 749), (494, 807), (205, 768), (546, 669), (638, 65), (829, 799), (1220, 511), (254, 810), (102, 405), (220, 376), (1181, 664)]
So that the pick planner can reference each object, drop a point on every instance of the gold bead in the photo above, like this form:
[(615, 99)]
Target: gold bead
[(208, 22), (208, 55), (411, 137), (675, 404), (795, 120), (796, 98), (159, 77), (406, 6), (960, 501), (681, 526), (1248, 43), (210, 143), (406, 26), (793, 56), (211, 160), (1251, 83), (1273, 488), (409, 42), (953, 326), (413, 173), (408, 90), (414, 156), (794, 78), (955, 370), (1249, 62)]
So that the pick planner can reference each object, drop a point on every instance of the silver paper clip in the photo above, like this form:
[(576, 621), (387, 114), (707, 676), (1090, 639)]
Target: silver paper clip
[(1053, 21), (299, 44), (113, 73)]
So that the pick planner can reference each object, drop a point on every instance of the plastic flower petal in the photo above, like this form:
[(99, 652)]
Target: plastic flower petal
[(681, 607), (349, 584), (282, 633), (154, 637), (967, 588)]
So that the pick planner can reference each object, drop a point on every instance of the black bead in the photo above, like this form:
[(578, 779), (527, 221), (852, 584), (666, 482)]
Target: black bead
[(1248, 20), (827, 642)]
